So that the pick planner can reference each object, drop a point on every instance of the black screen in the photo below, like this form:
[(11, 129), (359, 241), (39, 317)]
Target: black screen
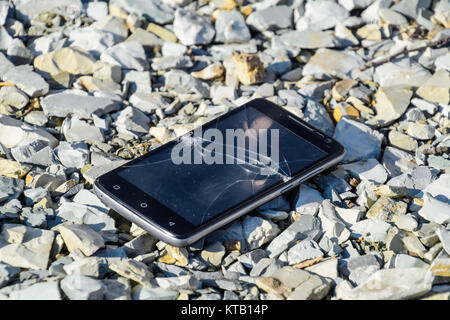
[(211, 171)]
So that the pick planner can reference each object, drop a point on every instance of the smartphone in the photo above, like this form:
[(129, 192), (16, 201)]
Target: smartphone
[(210, 176)]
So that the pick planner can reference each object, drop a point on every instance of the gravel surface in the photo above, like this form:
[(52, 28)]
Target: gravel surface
[(88, 85)]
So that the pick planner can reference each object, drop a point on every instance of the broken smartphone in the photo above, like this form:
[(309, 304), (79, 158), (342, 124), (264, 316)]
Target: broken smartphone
[(201, 181)]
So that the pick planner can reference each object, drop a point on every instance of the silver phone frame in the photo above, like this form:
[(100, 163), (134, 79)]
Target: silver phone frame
[(169, 238)]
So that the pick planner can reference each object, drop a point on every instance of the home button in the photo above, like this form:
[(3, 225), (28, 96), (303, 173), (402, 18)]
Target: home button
[(116, 187), (144, 205)]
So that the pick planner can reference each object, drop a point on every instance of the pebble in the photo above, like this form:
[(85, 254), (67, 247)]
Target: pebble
[(26, 80), (321, 15), (152, 10), (231, 27), (249, 68), (38, 291), (156, 293), (401, 72), (134, 270), (391, 104), (402, 141), (272, 18), (192, 28), (132, 121), (73, 154), (12, 99), (63, 104), (304, 250), (407, 283), (258, 231), (82, 237), (332, 62), (397, 161), (79, 287), (213, 254), (435, 210), (359, 140), (127, 55), (371, 230), (370, 170), (420, 131), (182, 83), (306, 226), (28, 247)]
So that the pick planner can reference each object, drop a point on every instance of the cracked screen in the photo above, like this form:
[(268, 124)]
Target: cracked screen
[(222, 164)]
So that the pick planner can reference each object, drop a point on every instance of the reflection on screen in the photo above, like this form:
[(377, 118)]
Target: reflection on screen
[(222, 164)]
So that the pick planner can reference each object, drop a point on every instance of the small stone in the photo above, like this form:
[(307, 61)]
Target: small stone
[(407, 283), (406, 261), (391, 104), (71, 60), (369, 32), (80, 236), (127, 55), (92, 84), (36, 118), (182, 82), (213, 254), (249, 68), (307, 226), (89, 266), (73, 154), (29, 249), (401, 72), (359, 140), (134, 270), (147, 39), (97, 10), (434, 209), (162, 33), (258, 231), (402, 141), (321, 15), (436, 88), (63, 104), (212, 71), (171, 62), (230, 27), (371, 230), (370, 170), (76, 130), (272, 18), (390, 191), (308, 39), (332, 62), (156, 293), (13, 169), (221, 93), (342, 88), (26, 80), (7, 274), (26, 10), (345, 109), (386, 208), (304, 250), (133, 122), (397, 161), (420, 131), (38, 291), (12, 99), (78, 287), (152, 10), (191, 28)]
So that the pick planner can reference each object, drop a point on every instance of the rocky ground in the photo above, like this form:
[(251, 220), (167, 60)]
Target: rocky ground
[(86, 86)]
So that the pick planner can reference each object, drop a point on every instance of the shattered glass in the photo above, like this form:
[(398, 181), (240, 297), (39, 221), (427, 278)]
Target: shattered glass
[(216, 167)]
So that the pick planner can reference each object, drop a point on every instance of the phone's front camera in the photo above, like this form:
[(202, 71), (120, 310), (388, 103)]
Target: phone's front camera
[(327, 140)]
